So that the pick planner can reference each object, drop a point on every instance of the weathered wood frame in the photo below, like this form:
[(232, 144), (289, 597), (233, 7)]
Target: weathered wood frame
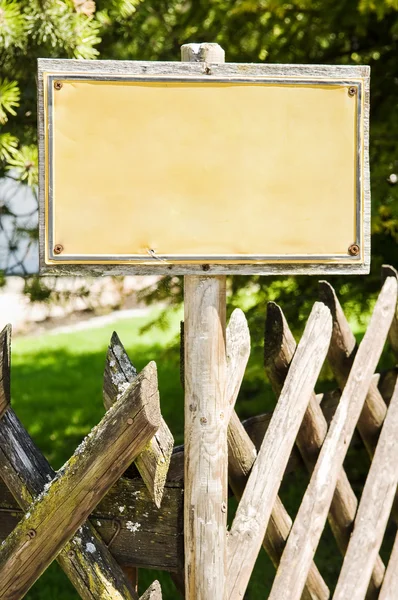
[(196, 71)]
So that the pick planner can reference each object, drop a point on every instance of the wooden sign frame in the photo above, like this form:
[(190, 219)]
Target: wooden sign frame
[(354, 78)]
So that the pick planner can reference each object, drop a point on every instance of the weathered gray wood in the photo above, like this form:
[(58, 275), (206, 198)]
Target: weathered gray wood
[(153, 463), (280, 347), (195, 69), (310, 520), (202, 53), (386, 383), (69, 498), (242, 455), (341, 356), (27, 473), (146, 536), (390, 584), (254, 510), (389, 271), (153, 592), (5, 365), (373, 512), (207, 411), (206, 421), (238, 352)]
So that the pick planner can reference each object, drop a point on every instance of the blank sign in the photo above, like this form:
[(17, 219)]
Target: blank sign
[(176, 170)]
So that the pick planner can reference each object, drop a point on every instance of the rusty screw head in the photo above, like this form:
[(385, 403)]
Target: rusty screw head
[(352, 90), (58, 85), (203, 420), (31, 534), (58, 248), (354, 250), (71, 554)]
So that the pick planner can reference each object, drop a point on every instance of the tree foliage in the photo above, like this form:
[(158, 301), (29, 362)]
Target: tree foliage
[(295, 31)]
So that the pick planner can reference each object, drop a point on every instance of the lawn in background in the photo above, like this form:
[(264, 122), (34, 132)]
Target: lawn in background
[(57, 394)]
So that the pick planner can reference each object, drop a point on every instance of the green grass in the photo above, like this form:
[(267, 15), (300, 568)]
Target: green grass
[(57, 393)]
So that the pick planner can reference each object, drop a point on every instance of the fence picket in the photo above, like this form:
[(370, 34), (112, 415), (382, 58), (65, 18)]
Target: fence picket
[(341, 357), (154, 461), (388, 271), (390, 584), (308, 526), (373, 512), (5, 361), (254, 510)]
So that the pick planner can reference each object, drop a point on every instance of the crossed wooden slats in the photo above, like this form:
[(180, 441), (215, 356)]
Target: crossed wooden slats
[(309, 523), (67, 498), (341, 503), (278, 355)]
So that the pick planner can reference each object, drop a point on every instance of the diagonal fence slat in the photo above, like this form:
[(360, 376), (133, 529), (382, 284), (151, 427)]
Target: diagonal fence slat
[(390, 583), (341, 355), (241, 458), (279, 351), (373, 512), (26, 472), (70, 497), (310, 520), (154, 461), (254, 510), (388, 271), (5, 363)]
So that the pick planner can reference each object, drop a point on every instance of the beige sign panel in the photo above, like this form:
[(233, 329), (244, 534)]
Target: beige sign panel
[(160, 167)]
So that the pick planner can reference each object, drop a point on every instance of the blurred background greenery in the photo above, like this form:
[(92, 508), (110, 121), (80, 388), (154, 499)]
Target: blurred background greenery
[(56, 384)]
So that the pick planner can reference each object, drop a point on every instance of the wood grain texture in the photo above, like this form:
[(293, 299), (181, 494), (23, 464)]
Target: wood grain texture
[(390, 584), (373, 512), (154, 461), (207, 412), (27, 473), (238, 352), (195, 69), (5, 366), (310, 520), (68, 499), (254, 510), (389, 271), (206, 421), (341, 355), (147, 537), (242, 454), (153, 592), (280, 347)]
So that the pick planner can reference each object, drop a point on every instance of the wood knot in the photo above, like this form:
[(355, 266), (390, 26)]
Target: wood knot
[(31, 534)]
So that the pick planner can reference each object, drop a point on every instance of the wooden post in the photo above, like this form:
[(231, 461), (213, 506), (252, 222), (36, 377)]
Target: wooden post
[(206, 417)]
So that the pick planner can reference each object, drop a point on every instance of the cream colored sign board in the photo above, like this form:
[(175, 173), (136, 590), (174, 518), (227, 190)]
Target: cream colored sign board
[(160, 167)]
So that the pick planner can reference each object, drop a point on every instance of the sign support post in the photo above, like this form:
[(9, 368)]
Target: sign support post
[(206, 415)]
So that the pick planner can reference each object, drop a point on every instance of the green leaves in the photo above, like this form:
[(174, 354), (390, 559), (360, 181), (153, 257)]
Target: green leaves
[(24, 163), (11, 24), (9, 99)]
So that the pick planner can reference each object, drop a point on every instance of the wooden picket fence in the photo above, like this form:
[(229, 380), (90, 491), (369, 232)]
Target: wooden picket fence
[(102, 518)]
